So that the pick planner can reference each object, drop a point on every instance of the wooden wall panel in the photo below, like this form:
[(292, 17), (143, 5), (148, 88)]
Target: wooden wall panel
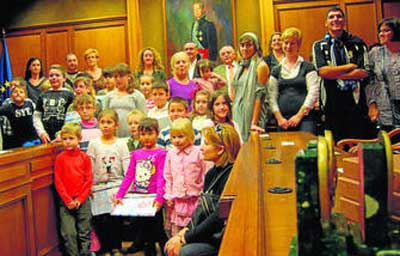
[(21, 47), (362, 20), (391, 9), (109, 40), (56, 46), (309, 19)]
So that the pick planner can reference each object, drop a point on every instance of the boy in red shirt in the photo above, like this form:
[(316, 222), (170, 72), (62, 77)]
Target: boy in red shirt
[(73, 181)]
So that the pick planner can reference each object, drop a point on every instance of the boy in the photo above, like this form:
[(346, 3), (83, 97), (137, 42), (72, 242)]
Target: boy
[(134, 119), (85, 105), (73, 180), (177, 108), (18, 112), (52, 105), (160, 94)]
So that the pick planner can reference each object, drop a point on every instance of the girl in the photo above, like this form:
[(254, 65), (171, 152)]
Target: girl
[(200, 114), (110, 160), (208, 80), (125, 98), (221, 110), (52, 105), (221, 146), (134, 119), (184, 175), (145, 173), (180, 84), (34, 78), (145, 84)]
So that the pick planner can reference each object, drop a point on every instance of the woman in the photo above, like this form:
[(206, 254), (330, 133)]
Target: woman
[(92, 62), (293, 87), (203, 235), (383, 92), (276, 53), (34, 78), (180, 84), (251, 77), (150, 64)]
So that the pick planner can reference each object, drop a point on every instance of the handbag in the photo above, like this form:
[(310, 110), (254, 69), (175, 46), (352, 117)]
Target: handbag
[(209, 204)]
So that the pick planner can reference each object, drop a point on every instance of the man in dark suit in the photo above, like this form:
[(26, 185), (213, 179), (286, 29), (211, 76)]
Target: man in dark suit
[(204, 33)]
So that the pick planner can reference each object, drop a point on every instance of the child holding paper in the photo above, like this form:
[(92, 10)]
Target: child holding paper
[(145, 172)]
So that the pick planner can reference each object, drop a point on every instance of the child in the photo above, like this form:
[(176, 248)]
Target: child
[(200, 115), (73, 180), (52, 105), (145, 84), (125, 98), (109, 82), (160, 93), (177, 108), (147, 162), (208, 80), (85, 106), (184, 175), (110, 160), (221, 110), (82, 86), (18, 110), (180, 85), (134, 118)]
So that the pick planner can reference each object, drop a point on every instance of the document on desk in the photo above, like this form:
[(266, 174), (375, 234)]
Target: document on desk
[(136, 205)]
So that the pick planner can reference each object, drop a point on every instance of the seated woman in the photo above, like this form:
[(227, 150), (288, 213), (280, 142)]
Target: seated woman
[(95, 72), (150, 64), (203, 235), (383, 92), (293, 87)]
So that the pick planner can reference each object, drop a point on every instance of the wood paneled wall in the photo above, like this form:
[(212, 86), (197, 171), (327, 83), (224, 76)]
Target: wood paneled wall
[(51, 43), (309, 16)]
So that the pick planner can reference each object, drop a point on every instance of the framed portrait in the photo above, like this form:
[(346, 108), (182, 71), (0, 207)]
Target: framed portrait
[(180, 26)]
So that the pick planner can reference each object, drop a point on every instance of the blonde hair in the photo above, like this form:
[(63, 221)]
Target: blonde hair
[(183, 125), (20, 83), (223, 135), (84, 99), (292, 33), (136, 112), (90, 51), (173, 58), (71, 128), (59, 68), (110, 113)]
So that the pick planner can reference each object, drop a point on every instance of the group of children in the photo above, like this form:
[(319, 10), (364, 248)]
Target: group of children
[(142, 137)]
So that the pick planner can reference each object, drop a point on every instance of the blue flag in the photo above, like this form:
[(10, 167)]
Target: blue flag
[(5, 72)]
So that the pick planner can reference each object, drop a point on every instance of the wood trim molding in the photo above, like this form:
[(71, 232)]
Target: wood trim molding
[(134, 31), (267, 21)]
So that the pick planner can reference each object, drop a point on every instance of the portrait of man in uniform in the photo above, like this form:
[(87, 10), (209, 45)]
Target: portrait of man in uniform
[(203, 33)]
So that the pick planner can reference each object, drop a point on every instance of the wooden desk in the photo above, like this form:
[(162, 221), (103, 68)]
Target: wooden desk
[(27, 210), (261, 223)]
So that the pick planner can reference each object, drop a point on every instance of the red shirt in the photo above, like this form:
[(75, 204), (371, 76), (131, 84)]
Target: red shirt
[(73, 175)]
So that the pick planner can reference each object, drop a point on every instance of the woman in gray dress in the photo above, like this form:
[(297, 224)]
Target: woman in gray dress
[(249, 81)]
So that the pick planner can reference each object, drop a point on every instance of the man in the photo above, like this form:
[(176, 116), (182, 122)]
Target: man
[(228, 69), (191, 50), (72, 68), (204, 34), (342, 62)]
